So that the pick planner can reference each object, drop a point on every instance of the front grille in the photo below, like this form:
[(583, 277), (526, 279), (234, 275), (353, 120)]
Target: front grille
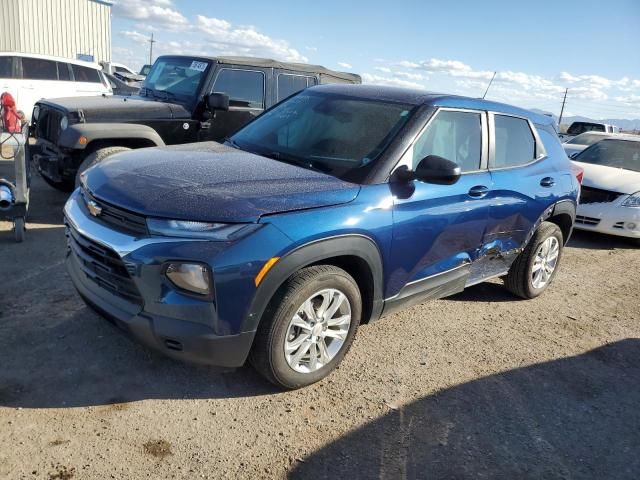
[(103, 266), (592, 221), (619, 225), (597, 195), (119, 219), (48, 124)]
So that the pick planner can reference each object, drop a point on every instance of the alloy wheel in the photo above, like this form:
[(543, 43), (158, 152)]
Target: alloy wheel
[(545, 262)]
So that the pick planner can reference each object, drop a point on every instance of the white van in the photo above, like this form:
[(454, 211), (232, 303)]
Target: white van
[(31, 77)]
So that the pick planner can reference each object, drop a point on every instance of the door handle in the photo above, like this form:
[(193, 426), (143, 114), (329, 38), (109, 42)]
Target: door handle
[(547, 182), (478, 191)]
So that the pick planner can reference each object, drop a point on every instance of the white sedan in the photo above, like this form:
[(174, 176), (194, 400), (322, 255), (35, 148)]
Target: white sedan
[(582, 141), (610, 196)]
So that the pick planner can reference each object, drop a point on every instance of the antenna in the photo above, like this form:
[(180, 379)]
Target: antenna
[(488, 86)]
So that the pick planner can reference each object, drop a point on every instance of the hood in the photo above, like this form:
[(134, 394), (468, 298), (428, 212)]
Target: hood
[(610, 178), (211, 182), (114, 108)]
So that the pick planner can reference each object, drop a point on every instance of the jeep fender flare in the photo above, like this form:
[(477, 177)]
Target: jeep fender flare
[(314, 252), (70, 137)]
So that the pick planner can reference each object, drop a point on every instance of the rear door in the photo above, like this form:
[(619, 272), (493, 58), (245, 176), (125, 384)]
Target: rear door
[(523, 185), (246, 88), (438, 229), (288, 83)]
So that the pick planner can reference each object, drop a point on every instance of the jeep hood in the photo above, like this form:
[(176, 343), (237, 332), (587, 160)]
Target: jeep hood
[(115, 108), (211, 182), (610, 178)]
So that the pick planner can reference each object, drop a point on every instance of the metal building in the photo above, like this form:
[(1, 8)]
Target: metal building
[(79, 29)]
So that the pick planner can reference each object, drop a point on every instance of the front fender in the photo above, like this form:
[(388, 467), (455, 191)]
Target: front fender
[(311, 253), (70, 137)]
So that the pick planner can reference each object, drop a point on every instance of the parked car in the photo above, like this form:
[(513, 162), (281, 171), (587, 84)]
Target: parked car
[(576, 128), (119, 87), (174, 106), (582, 141), (337, 206), (610, 196), (122, 73), (30, 77)]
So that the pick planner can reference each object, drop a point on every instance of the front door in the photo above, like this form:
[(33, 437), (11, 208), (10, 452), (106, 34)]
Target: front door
[(246, 91), (438, 229)]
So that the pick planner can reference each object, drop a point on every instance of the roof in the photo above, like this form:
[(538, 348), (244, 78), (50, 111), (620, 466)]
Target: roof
[(51, 57), (270, 63), (423, 97)]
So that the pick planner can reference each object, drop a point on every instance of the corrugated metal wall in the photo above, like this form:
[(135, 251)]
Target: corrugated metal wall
[(65, 28)]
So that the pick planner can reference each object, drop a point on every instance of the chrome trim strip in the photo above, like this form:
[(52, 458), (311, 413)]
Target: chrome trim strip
[(121, 243)]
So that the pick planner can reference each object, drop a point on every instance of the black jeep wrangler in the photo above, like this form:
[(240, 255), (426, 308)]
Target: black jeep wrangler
[(183, 99)]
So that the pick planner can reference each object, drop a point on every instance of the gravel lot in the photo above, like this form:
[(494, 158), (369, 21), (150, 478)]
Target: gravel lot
[(478, 385)]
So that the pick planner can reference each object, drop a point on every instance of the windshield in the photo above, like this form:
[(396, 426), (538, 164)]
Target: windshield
[(577, 128), (334, 134), (613, 153), (176, 77), (586, 139)]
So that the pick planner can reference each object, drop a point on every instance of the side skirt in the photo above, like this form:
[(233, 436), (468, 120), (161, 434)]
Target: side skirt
[(437, 286)]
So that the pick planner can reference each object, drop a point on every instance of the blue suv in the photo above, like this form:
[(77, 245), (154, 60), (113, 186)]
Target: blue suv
[(340, 205)]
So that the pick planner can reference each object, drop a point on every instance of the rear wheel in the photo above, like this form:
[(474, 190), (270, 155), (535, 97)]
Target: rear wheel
[(534, 269), (309, 327), (96, 157)]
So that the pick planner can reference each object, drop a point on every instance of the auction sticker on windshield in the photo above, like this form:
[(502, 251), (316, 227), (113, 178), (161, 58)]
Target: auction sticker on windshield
[(199, 66)]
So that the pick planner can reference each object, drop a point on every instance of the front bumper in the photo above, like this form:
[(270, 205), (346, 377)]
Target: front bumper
[(610, 218), (52, 163), (178, 326)]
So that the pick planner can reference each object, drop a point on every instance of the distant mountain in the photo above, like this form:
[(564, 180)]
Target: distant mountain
[(623, 123)]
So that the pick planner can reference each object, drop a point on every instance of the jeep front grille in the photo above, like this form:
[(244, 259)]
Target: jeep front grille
[(48, 124)]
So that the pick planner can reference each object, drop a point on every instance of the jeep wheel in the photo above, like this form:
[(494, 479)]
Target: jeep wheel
[(96, 157), (535, 268), (308, 328)]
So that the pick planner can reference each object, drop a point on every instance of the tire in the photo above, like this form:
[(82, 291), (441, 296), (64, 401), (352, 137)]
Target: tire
[(268, 355), (66, 186), (520, 280), (19, 229), (96, 157)]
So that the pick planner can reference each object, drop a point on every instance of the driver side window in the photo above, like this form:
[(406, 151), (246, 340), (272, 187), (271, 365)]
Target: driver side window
[(456, 136)]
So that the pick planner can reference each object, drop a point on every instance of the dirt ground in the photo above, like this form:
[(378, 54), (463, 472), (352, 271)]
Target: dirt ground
[(480, 385)]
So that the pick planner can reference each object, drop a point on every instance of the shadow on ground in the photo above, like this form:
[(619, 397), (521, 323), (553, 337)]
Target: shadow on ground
[(599, 241), (83, 360), (577, 417)]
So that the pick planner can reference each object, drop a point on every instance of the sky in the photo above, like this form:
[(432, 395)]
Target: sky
[(538, 48)]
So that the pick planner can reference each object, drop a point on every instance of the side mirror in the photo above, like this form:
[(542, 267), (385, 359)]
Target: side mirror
[(218, 101), (432, 169)]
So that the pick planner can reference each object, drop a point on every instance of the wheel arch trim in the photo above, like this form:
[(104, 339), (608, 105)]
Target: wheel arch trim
[(313, 252), (70, 137)]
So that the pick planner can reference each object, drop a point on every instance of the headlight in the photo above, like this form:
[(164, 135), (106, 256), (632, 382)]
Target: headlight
[(36, 113), (208, 231), (64, 123), (632, 201), (193, 277)]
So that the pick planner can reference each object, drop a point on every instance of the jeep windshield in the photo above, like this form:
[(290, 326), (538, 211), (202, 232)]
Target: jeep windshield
[(175, 78), (335, 134)]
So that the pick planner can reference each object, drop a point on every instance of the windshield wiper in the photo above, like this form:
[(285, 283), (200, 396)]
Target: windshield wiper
[(232, 143), (292, 160)]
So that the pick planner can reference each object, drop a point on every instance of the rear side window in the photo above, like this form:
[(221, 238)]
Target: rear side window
[(290, 84), (63, 71), (515, 143), (6, 67), (85, 74), (39, 69), (245, 88), (456, 136)]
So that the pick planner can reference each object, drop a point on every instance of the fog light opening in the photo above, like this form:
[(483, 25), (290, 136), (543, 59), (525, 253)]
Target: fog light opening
[(192, 277), (631, 226)]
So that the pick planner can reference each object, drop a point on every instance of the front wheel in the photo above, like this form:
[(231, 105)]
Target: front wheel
[(308, 328), (534, 269)]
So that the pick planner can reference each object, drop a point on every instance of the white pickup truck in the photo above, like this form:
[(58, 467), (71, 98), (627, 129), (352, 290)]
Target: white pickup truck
[(576, 128)]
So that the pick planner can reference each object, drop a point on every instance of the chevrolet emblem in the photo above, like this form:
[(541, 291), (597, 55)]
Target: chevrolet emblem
[(94, 208)]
